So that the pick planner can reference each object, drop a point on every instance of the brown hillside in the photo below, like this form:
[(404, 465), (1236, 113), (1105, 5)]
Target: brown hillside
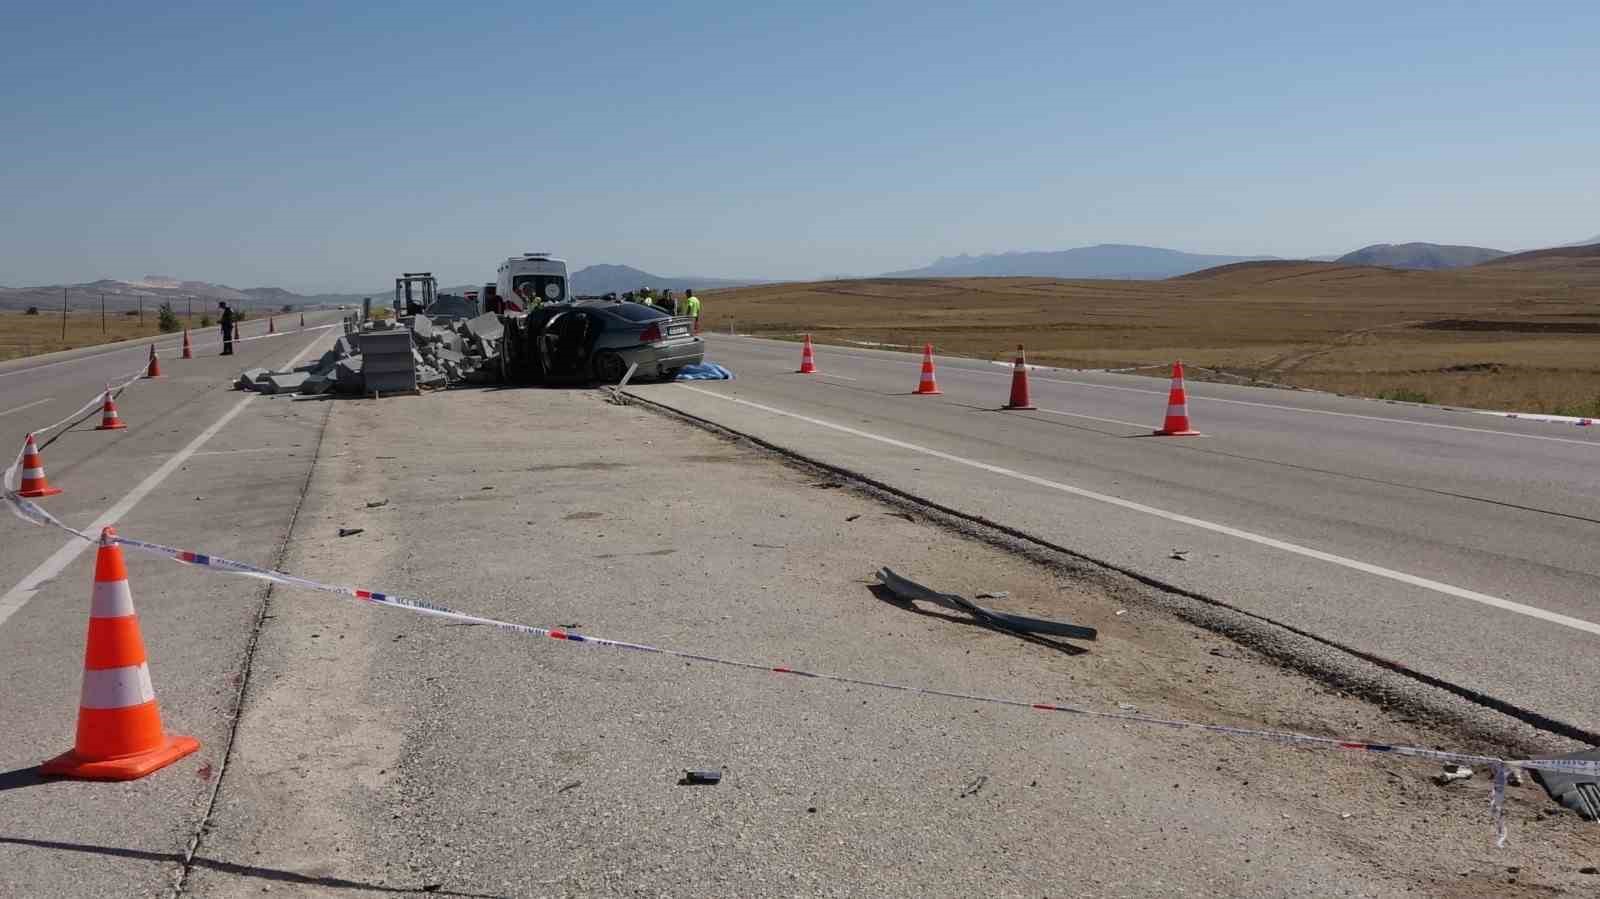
[(1489, 335)]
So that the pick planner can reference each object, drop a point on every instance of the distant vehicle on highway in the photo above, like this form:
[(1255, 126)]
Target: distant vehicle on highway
[(598, 341)]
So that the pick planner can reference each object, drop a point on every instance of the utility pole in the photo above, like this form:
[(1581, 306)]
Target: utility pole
[(102, 314), (141, 310), (191, 312), (63, 312)]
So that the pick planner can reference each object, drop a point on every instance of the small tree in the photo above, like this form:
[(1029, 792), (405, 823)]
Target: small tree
[(166, 319), (32, 310)]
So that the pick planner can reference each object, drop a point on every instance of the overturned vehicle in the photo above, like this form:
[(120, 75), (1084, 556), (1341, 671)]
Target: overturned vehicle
[(597, 340)]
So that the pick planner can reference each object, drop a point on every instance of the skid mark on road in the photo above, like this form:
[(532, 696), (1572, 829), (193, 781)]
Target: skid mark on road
[(18, 596), (1260, 539)]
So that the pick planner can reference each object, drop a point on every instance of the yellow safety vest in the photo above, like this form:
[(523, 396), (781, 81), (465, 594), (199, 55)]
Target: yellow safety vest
[(692, 305)]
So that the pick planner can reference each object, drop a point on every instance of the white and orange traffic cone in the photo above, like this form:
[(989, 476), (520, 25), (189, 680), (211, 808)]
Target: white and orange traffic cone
[(154, 369), (808, 358), (1019, 384), (1177, 423), (119, 725), (34, 483), (927, 386), (188, 351), (109, 419)]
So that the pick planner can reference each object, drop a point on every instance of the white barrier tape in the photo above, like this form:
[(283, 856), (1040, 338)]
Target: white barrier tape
[(1499, 767)]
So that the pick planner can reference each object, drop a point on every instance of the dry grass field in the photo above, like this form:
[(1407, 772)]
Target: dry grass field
[(1495, 336), (29, 335)]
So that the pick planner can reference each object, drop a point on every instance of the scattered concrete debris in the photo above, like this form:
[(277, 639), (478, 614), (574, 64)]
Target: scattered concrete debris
[(419, 352), (701, 777), (1451, 774), (351, 532), (377, 504), (974, 786), (911, 591)]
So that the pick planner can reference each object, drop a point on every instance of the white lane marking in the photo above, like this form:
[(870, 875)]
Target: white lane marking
[(1115, 421), (1273, 542), (27, 405), (823, 374), (18, 596), (875, 357)]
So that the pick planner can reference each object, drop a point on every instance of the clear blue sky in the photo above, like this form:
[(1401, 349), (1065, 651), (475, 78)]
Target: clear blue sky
[(330, 145)]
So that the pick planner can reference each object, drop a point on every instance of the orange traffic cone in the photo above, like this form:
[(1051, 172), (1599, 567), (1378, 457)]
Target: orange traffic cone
[(808, 359), (34, 483), (109, 419), (154, 370), (119, 725), (1019, 384), (1177, 423), (188, 352), (272, 325), (927, 386)]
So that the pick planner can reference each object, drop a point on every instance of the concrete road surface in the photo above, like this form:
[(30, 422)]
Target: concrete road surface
[(1456, 544)]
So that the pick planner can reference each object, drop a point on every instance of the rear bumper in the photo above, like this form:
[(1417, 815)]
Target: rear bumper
[(654, 361)]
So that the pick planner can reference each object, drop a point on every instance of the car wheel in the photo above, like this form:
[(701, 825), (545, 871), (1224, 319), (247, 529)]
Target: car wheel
[(608, 367)]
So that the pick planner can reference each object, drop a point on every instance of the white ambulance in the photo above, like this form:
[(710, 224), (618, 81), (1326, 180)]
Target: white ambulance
[(532, 279)]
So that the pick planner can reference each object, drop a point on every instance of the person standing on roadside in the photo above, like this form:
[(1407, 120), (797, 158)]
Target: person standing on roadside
[(227, 328), (691, 307)]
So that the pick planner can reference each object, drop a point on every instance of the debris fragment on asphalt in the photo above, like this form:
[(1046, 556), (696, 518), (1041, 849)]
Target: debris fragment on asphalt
[(974, 786), (1182, 555), (701, 777), (1579, 792), (851, 517), (377, 504), (350, 532), (910, 591), (1451, 774), (994, 594)]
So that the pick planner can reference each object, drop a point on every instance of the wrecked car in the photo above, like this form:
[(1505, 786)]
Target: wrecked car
[(598, 341)]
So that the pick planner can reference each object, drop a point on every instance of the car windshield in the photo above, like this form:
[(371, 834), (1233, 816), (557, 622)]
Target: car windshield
[(547, 288)]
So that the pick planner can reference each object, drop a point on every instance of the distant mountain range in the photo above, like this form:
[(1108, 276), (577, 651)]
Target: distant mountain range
[(1423, 256), (1107, 260), (596, 280), (1110, 261), (152, 290)]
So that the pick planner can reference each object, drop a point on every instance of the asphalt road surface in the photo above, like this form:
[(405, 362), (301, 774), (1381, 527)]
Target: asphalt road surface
[(199, 464), (1458, 544)]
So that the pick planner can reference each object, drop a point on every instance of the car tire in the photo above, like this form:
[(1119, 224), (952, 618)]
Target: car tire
[(608, 367)]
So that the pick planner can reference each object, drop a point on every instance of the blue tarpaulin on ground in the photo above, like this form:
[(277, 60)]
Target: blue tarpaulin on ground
[(705, 371)]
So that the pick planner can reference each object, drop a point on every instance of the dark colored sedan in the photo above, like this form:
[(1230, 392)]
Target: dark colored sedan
[(599, 341)]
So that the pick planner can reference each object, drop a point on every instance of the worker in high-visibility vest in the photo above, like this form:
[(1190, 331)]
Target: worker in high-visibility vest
[(645, 297), (691, 307)]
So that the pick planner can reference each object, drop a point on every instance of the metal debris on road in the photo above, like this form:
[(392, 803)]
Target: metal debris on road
[(377, 504), (350, 532), (1579, 792), (973, 787), (994, 594), (911, 591), (701, 777)]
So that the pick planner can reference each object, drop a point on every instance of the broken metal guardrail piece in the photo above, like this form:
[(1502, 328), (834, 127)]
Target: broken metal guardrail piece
[(910, 591)]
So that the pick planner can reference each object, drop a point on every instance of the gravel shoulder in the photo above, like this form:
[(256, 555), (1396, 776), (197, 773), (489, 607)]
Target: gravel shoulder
[(381, 753)]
